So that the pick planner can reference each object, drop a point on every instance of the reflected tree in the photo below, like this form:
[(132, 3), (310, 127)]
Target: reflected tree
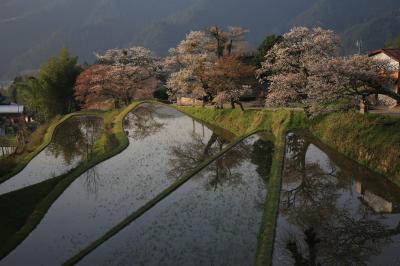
[(76, 138), (92, 181), (222, 170), (332, 232), (141, 123), (186, 157), (261, 156)]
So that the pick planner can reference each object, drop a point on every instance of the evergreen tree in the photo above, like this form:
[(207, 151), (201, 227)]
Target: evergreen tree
[(51, 91), (264, 47)]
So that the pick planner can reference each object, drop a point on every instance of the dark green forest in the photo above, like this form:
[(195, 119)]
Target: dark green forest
[(31, 31)]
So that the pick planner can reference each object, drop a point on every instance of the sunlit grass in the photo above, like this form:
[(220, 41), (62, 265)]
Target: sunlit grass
[(372, 140)]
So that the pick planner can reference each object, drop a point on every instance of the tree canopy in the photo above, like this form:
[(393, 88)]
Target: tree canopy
[(305, 68), (50, 92), (117, 85), (393, 43), (264, 48)]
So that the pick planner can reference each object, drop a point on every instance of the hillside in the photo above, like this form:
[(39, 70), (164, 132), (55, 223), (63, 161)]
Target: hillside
[(372, 22), (34, 30)]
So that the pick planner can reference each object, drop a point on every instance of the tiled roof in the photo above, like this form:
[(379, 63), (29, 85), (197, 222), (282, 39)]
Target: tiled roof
[(394, 53), (11, 109)]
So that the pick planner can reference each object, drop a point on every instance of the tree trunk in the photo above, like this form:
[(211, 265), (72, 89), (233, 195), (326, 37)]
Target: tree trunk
[(230, 47), (379, 89), (233, 104), (240, 104)]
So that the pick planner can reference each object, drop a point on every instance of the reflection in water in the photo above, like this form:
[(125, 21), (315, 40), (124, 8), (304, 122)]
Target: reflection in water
[(75, 139), (6, 149), (142, 123), (196, 225), (328, 213), (107, 194), (92, 181), (183, 158), (72, 143)]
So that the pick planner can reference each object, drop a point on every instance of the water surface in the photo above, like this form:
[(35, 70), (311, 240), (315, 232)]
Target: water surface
[(72, 143), (213, 219), (333, 211), (164, 144)]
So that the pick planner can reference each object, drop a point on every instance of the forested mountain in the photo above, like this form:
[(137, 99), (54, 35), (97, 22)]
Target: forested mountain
[(369, 21), (31, 31)]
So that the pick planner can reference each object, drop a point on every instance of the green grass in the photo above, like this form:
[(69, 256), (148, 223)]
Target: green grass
[(17, 206), (371, 140), (241, 123)]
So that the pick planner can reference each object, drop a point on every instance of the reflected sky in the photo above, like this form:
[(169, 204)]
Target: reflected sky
[(333, 211), (213, 219), (73, 142), (109, 192)]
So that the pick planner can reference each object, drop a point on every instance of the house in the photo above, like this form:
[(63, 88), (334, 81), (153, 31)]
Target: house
[(10, 113), (393, 57)]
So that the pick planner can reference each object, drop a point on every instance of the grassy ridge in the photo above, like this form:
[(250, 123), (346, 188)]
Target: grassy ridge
[(17, 206), (241, 123), (104, 149), (371, 140)]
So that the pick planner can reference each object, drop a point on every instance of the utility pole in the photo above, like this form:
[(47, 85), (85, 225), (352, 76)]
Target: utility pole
[(359, 44)]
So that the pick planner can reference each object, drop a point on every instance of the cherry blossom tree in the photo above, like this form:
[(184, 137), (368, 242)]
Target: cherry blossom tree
[(287, 65), (134, 56), (229, 79), (187, 64), (304, 67), (348, 77), (118, 85)]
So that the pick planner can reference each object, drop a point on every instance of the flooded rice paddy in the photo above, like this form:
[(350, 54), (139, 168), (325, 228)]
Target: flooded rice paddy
[(164, 144), (332, 211), (213, 219), (72, 143)]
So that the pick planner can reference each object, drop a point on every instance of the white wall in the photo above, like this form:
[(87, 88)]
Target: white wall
[(394, 63)]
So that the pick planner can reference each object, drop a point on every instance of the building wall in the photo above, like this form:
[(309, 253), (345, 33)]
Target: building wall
[(185, 101), (383, 99), (393, 63)]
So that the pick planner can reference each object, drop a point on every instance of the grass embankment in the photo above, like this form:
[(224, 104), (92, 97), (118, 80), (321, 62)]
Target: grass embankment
[(17, 206), (371, 140), (277, 122), (111, 143), (241, 123)]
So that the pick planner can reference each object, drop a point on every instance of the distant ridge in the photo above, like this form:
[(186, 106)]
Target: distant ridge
[(31, 31)]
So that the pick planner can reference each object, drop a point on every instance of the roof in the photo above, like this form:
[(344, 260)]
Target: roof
[(11, 109), (393, 53)]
